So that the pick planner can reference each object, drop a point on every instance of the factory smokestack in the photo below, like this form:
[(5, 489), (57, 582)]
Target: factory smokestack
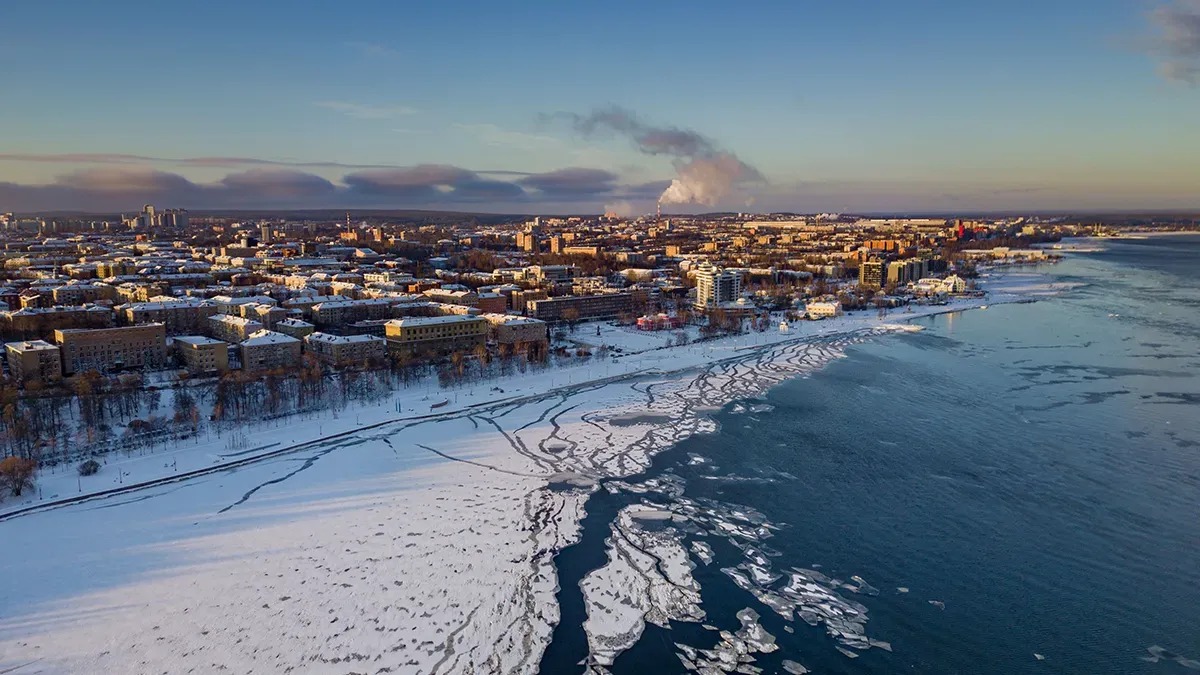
[(659, 216)]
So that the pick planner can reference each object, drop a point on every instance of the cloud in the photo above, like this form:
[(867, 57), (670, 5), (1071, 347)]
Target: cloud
[(277, 184), (125, 179), (572, 181), (373, 50), (122, 188), (1176, 40), (706, 173), (366, 111), (430, 183), (116, 158)]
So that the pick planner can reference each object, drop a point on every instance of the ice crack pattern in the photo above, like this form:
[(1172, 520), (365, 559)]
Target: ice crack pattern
[(422, 546)]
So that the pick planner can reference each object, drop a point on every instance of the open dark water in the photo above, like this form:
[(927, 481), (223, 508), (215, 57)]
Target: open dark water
[(1034, 467)]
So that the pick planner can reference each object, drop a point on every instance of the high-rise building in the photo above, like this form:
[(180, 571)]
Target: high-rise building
[(147, 219), (870, 274), (264, 233), (715, 286), (176, 218)]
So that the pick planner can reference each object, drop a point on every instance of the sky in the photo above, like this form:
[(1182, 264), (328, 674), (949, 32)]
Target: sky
[(556, 107)]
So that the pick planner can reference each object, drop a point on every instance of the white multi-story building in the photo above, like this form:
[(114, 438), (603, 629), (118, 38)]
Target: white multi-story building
[(715, 286)]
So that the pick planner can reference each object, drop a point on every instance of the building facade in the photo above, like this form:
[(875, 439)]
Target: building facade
[(296, 328), (268, 350), (822, 310), (435, 334), (232, 328), (109, 349), (603, 306), (870, 274), (201, 354), (35, 360), (716, 286), (345, 350), (186, 316), (516, 331)]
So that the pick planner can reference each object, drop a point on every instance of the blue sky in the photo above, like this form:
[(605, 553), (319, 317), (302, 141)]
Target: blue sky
[(855, 106)]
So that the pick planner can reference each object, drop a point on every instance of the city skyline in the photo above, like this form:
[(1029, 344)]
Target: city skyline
[(550, 109)]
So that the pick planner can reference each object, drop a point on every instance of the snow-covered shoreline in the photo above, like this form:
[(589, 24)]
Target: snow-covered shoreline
[(420, 545)]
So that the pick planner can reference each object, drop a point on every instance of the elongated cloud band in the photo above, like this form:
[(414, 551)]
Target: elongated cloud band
[(117, 188)]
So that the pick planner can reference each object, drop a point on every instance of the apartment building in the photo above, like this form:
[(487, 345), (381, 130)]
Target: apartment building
[(604, 306), (521, 299), (336, 313), (268, 350), (344, 350), (183, 316), (506, 329), (232, 306), (296, 328), (34, 360), (108, 349), (232, 328), (904, 271), (140, 292), (36, 323), (267, 315), (201, 354), (435, 334), (716, 286), (870, 274), (451, 297), (78, 293), (492, 303)]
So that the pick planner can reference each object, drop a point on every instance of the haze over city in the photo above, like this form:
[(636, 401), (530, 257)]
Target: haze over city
[(541, 107)]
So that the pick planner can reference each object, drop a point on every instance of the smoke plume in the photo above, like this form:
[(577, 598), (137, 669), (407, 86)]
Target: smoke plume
[(707, 174), (621, 209)]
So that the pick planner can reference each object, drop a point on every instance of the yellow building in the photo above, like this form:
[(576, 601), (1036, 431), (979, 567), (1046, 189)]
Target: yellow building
[(232, 328), (506, 329), (34, 360), (435, 334), (201, 354)]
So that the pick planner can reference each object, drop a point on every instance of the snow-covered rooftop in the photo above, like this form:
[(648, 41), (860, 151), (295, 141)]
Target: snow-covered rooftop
[(432, 320), (267, 337)]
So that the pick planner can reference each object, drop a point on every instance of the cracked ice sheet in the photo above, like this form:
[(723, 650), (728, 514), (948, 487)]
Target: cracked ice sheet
[(296, 575), (376, 555), (648, 577)]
